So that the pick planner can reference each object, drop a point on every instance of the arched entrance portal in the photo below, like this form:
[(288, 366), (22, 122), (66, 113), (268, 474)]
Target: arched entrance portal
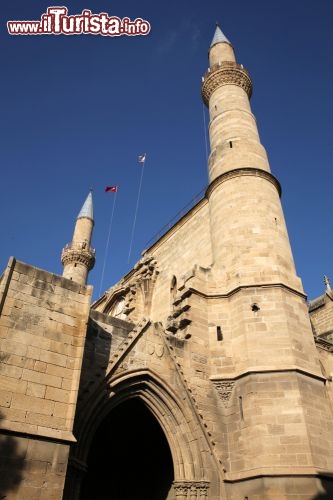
[(129, 457)]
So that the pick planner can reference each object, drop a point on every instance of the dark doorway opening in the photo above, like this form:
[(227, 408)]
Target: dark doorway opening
[(129, 457)]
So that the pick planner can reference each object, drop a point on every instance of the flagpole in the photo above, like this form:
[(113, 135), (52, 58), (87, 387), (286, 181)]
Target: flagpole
[(136, 210), (205, 133), (107, 242)]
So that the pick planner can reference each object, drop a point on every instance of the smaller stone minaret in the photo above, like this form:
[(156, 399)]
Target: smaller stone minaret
[(78, 258)]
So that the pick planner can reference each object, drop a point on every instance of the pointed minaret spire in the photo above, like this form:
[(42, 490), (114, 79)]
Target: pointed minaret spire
[(78, 258), (87, 208), (220, 49), (219, 36)]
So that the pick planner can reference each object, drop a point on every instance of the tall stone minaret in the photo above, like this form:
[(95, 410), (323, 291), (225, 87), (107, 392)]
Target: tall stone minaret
[(78, 258), (267, 355), (249, 235)]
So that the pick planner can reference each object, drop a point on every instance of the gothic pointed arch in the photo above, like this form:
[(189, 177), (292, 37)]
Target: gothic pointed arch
[(173, 416), (116, 304)]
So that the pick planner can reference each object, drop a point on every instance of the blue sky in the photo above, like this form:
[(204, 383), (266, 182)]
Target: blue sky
[(76, 111)]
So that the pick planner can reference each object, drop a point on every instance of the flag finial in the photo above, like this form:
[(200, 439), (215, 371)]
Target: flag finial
[(142, 158), (327, 283)]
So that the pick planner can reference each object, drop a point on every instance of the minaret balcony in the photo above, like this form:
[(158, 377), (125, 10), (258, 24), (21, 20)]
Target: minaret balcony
[(225, 73), (78, 252)]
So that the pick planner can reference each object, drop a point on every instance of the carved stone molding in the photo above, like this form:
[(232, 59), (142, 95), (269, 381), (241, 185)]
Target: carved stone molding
[(225, 73), (224, 389), (117, 358), (190, 490), (240, 172)]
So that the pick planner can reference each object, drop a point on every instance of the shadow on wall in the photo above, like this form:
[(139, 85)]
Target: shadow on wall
[(95, 361), (11, 464), (327, 485)]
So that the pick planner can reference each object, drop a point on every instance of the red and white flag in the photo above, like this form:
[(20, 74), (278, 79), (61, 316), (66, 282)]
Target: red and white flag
[(111, 189)]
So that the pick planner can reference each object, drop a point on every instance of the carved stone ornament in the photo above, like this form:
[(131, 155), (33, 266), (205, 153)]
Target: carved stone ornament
[(224, 389), (191, 489), (126, 295), (159, 350)]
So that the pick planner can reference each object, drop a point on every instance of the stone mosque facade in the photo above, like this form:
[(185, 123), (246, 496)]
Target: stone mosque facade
[(203, 373)]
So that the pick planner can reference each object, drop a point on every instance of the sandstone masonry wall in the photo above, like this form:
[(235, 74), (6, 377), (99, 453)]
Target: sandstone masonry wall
[(43, 320)]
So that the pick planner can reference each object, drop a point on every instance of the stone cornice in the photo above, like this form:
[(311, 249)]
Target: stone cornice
[(324, 344), (40, 433), (265, 370), (231, 292), (239, 172), (225, 73), (277, 471)]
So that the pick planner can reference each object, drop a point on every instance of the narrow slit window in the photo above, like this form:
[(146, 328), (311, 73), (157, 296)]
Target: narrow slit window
[(240, 399), (219, 334), (173, 291)]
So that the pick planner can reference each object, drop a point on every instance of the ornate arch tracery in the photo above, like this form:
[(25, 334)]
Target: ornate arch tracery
[(131, 299)]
